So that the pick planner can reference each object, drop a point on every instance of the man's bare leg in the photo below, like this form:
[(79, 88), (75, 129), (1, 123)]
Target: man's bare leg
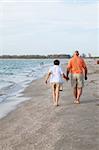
[(79, 93), (75, 92)]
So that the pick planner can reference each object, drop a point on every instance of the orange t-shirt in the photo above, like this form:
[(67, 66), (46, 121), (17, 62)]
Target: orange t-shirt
[(76, 64)]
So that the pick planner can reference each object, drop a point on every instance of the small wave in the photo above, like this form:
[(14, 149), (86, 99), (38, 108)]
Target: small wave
[(31, 74), (5, 73), (9, 91), (13, 88), (2, 97)]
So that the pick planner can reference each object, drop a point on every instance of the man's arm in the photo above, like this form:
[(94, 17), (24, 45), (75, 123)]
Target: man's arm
[(85, 73), (85, 69)]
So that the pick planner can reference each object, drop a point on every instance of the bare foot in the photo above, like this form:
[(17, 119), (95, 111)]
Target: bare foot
[(57, 104), (76, 102), (54, 104)]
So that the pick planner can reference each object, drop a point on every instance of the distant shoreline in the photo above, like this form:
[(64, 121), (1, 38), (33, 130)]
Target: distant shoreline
[(59, 56)]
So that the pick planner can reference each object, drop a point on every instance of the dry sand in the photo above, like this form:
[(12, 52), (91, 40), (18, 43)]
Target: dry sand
[(38, 125)]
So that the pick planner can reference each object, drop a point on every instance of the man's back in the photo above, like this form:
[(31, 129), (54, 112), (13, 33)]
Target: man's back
[(76, 64)]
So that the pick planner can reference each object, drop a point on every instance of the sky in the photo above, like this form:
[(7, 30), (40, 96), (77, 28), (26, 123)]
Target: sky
[(29, 27)]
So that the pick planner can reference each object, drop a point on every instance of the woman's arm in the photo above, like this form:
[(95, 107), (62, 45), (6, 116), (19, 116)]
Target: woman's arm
[(47, 77)]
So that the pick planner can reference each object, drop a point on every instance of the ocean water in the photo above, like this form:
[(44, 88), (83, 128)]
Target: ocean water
[(15, 76)]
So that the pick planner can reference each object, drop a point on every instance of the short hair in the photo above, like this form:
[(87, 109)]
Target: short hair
[(56, 62), (77, 52)]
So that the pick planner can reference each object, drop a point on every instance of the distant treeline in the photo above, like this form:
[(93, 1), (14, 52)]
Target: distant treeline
[(55, 56), (35, 56)]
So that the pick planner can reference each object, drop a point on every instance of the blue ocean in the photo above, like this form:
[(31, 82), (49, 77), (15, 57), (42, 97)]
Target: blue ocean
[(15, 76)]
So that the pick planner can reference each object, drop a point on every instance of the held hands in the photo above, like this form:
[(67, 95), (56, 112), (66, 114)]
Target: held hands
[(65, 77)]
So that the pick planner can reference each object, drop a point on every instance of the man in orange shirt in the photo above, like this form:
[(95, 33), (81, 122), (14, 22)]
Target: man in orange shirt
[(78, 70)]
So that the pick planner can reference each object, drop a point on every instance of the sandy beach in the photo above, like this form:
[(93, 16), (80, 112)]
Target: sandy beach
[(38, 125)]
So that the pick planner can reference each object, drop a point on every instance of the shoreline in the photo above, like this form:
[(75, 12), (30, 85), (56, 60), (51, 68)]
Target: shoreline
[(38, 125)]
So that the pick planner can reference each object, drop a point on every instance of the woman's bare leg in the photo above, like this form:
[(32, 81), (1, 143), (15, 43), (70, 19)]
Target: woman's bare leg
[(57, 94), (54, 94)]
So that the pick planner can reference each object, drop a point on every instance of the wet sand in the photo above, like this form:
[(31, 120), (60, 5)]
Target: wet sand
[(38, 125)]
